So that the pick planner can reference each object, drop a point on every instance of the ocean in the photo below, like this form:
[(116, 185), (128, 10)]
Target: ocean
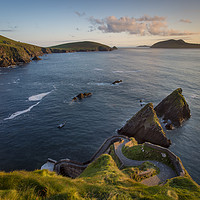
[(37, 97)]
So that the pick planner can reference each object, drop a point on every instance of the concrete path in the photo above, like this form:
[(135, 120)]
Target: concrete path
[(165, 171)]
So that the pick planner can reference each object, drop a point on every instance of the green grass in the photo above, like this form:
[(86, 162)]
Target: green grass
[(114, 156), (83, 46), (13, 52), (141, 152), (101, 180)]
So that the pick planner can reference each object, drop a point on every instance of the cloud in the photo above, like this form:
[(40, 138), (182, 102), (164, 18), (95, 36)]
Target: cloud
[(9, 29), (185, 21), (80, 14), (144, 25), (6, 30), (148, 18)]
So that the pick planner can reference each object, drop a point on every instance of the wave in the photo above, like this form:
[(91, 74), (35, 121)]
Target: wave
[(132, 71), (100, 84), (21, 112), (38, 97), (195, 96), (98, 69)]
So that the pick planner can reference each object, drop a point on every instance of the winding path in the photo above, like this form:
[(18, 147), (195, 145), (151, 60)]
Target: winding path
[(165, 171)]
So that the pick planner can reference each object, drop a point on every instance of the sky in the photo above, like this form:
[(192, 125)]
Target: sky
[(121, 23)]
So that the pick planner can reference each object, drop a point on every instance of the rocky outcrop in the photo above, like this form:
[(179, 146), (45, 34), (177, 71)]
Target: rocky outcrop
[(36, 58), (118, 81), (174, 108), (144, 126), (82, 96)]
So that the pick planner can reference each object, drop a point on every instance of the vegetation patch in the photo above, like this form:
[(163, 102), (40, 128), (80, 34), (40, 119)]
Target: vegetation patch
[(115, 157), (101, 180), (142, 152), (141, 172)]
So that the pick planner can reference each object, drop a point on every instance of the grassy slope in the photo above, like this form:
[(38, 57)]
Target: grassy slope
[(13, 52), (101, 180), (174, 44), (83, 46)]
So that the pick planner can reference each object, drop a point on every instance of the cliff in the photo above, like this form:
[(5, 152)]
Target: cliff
[(101, 180), (174, 44), (174, 108), (14, 53), (144, 126)]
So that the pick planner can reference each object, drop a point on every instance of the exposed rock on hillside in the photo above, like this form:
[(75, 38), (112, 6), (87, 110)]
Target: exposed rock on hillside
[(174, 108), (82, 96), (144, 126), (36, 58)]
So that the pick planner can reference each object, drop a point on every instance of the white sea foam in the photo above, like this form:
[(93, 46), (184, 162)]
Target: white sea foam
[(98, 69), (195, 96), (132, 71), (118, 71), (38, 97), (21, 112), (100, 84)]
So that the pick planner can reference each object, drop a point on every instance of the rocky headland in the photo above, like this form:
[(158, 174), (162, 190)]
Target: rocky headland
[(174, 108), (144, 126), (15, 53)]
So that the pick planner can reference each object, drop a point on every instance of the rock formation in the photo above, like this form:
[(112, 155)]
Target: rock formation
[(118, 81), (36, 58), (82, 96), (174, 108), (144, 126)]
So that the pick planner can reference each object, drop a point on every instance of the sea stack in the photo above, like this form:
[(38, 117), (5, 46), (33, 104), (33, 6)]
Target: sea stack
[(144, 126), (174, 108)]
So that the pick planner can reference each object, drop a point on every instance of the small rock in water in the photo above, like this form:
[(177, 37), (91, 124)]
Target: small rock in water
[(118, 81), (169, 126), (82, 96)]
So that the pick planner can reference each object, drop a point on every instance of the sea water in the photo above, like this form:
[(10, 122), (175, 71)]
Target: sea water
[(36, 97)]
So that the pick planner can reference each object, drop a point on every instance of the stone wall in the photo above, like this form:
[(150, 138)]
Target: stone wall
[(174, 159), (73, 169)]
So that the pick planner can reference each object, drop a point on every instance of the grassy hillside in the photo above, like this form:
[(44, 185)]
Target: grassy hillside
[(13, 52), (101, 180), (174, 44), (83, 46)]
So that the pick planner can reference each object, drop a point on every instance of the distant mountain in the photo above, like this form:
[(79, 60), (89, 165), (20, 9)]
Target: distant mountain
[(174, 44), (83, 46), (143, 46)]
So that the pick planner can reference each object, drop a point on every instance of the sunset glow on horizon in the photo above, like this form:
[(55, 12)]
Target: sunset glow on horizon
[(122, 23)]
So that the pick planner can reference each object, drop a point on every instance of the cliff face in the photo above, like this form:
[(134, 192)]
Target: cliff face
[(13, 53), (174, 108), (144, 126)]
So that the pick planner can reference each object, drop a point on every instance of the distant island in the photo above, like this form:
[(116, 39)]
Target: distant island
[(174, 44), (83, 46), (144, 46), (15, 53)]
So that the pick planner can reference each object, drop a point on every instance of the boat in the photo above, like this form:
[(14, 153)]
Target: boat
[(61, 125)]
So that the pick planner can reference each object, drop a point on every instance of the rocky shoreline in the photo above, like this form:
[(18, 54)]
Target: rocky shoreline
[(16, 53)]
